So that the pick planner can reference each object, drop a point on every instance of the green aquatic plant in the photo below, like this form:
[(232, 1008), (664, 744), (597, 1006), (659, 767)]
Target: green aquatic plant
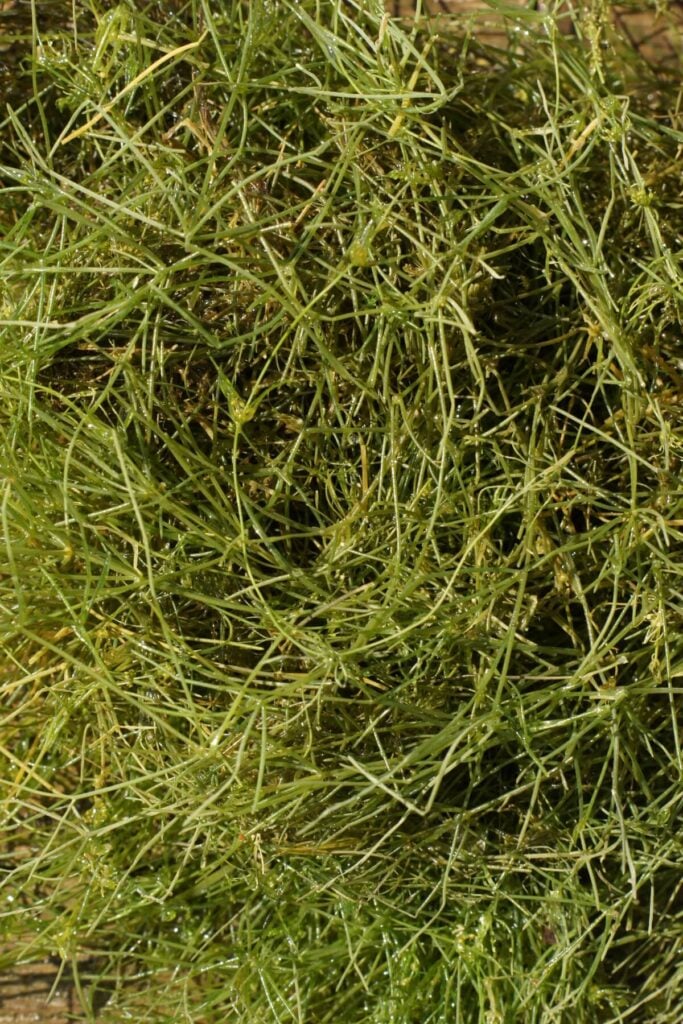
[(341, 514)]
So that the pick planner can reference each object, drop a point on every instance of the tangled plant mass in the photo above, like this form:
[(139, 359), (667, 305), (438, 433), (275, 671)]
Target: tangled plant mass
[(341, 515)]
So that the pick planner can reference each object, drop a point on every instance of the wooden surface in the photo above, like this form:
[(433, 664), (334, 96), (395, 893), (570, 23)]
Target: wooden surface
[(24, 995), (658, 36)]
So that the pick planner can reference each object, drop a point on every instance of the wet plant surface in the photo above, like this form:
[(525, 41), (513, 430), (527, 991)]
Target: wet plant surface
[(341, 515)]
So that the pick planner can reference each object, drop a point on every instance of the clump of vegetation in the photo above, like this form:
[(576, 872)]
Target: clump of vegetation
[(341, 515)]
